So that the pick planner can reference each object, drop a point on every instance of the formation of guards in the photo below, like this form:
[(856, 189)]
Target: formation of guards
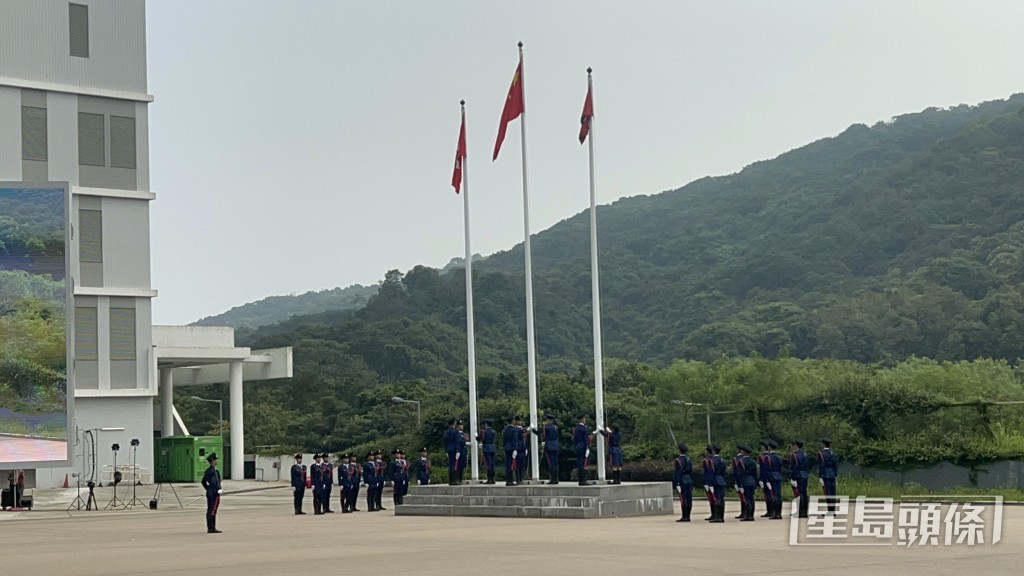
[(748, 472), (748, 475)]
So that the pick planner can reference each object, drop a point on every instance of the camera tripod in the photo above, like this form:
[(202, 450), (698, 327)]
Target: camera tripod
[(156, 495), (135, 481), (78, 503), (115, 502)]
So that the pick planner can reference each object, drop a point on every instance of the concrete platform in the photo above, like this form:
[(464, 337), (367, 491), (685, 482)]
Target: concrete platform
[(539, 500)]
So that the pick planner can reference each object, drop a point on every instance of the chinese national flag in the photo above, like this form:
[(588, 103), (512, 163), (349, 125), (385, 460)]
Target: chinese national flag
[(514, 106), (588, 113), (460, 154)]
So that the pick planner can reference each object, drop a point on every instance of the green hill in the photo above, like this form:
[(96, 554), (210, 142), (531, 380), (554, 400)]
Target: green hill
[(275, 309), (899, 240)]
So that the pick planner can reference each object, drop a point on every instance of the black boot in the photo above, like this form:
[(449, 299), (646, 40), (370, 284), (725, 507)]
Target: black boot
[(687, 509), (617, 477), (719, 514)]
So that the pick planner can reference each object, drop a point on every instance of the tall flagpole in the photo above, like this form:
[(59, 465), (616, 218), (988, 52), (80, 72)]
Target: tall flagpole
[(596, 291), (470, 334), (531, 344)]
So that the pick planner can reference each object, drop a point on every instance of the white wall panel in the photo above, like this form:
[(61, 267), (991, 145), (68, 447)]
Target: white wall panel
[(10, 132), (62, 122), (125, 243)]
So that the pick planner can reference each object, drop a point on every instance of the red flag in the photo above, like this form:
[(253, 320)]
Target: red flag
[(588, 113), (460, 154), (514, 106)]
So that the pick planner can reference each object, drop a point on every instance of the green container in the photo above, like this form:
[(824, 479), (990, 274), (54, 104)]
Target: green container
[(183, 458)]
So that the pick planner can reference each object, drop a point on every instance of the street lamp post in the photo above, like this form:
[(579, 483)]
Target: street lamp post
[(707, 414), (400, 400), (220, 409)]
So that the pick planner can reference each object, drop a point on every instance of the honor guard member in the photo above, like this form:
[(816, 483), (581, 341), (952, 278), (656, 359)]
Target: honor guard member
[(381, 478), (211, 482), (355, 474), (370, 479), (343, 482), (581, 436), (708, 473), (298, 483), (399, 475), (775, 477), (683, 481), (614, 438), (549, 435), (764, 480), (509, 436), (828, 469), (327, 474), (463, 451), (522, 450), (316, 481), (747, 482), (487, 438), (452, 448), (719, 464), (423, 472), (798, 471), (736, 475)]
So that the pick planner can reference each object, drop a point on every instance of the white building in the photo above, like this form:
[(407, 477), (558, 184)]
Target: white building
[(74, 108)]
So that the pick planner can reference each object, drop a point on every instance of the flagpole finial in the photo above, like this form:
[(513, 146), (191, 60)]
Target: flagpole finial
[(463, 102), (520, 43), (589, 69)]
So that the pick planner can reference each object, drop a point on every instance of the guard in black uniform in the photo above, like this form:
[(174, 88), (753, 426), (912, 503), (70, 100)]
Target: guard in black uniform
[(775, 476), (828, 470), (798, 469), (550, 438), (327, 474), (298, 483), (317, 482), (746, 479), (487, 438), (399, 476), (423, 472), (344, 481), (508, 443), (719, 466), (683, 481), (355, 475), (581, 436), (452, 447), (708, 468), (370, 479), (614, 438), (522, 449), (382, 467), (211, 482)]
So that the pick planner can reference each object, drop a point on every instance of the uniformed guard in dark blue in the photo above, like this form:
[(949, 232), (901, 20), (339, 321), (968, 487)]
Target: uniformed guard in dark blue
[(683, 481), (708, 469), (522, 450), (382, 476), (581, 436), (719, 464), (355, 474), (828, 470), (736, 473), (463, 451), (614, 438), (317, 481), (746, 479), (798, 470), (370, 479), (298, 482), (487, 438), (327, 475), (344, 482), (211, 483), (399, 476), (508, 444), (423, 471), (775, 475), (764, 479), (453, 449), (549, 436)]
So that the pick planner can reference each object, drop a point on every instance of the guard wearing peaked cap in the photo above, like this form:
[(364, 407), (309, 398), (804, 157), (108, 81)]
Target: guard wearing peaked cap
[(399, 476), (423, 471), (453, 449), (581, 437), (682, 479), (509, 437), (370, 479), (707, 466), (327, 482), (211, 483), (316, 476), (298, 477), (798, 466), (828, 471), (744, 478), (614, 438), (488, 442), (549, 436), (382, 476), (774, 482)]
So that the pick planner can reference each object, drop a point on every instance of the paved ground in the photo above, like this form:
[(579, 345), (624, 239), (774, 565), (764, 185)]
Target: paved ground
[(261, 536)]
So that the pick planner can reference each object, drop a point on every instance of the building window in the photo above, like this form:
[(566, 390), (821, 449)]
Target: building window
[(78, 28), (33, 133), (90, 236), (85, 334), (91, 140), (122, 334), (122, 142)]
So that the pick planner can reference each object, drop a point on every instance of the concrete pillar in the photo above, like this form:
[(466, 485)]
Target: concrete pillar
[(237, 423), (166, 403)]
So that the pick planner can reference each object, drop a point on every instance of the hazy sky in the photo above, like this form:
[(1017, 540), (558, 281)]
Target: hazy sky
[(305, 145)]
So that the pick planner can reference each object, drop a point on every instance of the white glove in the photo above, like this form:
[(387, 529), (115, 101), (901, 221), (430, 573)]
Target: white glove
[(740, 490), (515, 453), (707, 488), (293, 488), (761, 484), (458, 455), (792, 483), (220, 491), (822, 480), (587, 455)]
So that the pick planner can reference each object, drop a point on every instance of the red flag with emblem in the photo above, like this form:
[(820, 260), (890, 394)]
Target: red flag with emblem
[(460, 154), (588, 113), (514, 106)]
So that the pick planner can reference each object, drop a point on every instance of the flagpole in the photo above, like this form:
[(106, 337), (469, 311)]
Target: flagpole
[(531, 344), (596, 291), (470, 333)]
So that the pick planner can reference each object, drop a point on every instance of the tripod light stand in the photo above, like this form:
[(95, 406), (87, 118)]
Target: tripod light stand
[(115, 501), (135, 480), (77, 503)]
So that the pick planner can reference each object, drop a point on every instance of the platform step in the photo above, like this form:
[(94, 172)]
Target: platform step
[(495, 511)]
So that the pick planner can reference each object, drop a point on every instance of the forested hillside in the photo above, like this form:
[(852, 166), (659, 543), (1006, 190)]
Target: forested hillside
[(902, 239), (274, 309)]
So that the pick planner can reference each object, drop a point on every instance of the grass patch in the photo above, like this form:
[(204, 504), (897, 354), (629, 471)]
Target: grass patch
[(857, 486), (55, 431)]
